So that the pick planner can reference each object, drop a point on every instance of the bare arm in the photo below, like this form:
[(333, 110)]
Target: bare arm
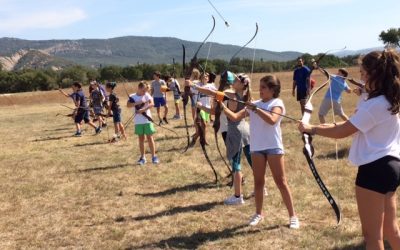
[(337, 131), (232, 115), (268, 117)]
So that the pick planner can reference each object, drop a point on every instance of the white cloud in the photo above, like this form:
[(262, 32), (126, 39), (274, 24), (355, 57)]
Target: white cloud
[(42, 19)]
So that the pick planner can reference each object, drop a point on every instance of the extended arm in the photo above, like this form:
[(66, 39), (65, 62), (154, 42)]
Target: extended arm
[(337, 131)]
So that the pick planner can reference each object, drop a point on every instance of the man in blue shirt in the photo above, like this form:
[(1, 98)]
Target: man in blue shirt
[(333, 96), (301, 81)]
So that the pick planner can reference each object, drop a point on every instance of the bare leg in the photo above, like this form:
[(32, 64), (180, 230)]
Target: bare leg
[(371, 208), (390, 226), (259, 165), (152, 145), (276, 163), (141, 145)]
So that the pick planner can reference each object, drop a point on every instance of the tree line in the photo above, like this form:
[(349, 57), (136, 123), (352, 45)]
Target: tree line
[(47, 79)]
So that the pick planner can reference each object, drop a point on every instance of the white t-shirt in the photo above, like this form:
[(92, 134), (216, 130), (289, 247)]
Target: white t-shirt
[(379, 132), (263, 135), (139, 118), (205, 99)]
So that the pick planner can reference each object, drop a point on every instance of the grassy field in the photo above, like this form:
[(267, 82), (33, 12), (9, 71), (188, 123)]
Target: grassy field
[(58, 191)]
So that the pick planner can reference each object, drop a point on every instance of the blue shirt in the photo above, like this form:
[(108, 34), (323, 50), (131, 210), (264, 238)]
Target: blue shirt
[(300, 75), (80, 96), (338, 85)]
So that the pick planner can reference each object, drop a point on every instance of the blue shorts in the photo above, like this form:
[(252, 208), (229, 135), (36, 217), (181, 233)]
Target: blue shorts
[(116, 117), (270, 151), (159, 102), (192, 102), (82, 115), (97, 110)]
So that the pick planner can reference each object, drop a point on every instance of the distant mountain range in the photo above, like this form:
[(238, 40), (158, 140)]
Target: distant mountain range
[(18, 53), (344, 53)]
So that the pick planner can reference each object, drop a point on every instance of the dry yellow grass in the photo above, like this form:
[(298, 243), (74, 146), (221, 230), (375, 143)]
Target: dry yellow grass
[(63, 192)]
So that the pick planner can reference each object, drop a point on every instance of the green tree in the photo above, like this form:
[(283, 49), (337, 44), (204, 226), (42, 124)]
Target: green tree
[(391, 37)]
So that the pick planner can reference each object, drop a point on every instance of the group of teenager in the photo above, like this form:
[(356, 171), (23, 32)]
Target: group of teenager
[(251, 126)]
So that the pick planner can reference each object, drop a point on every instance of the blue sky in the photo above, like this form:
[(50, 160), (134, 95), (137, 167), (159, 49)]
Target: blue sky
[(296, 25)]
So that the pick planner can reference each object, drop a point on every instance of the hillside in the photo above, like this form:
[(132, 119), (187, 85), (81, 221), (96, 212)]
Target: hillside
[(131, 50)]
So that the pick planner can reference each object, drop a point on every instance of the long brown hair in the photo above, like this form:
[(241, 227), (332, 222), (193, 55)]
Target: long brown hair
[(383, 69)]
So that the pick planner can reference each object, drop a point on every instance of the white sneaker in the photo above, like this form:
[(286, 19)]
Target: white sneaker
[(294, 222), (256, 219), (265, 193), (233, 200)]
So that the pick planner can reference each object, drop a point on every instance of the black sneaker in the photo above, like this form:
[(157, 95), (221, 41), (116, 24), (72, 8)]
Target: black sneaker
[(165, 120), (98, 130), (104, 125)]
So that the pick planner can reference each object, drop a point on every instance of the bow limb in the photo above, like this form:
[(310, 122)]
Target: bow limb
[(308, 150)]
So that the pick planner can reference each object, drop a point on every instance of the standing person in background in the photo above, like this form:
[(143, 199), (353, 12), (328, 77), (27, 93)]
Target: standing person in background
[(96, 99), (301, 82), (113, 105), (174, 86), (160, 98), (375, 148), (142, 102), (333, 96)]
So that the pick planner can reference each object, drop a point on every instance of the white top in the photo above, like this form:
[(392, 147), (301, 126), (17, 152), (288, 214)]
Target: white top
[(205, 100), (139, 118), (263, 135), (379, 132)]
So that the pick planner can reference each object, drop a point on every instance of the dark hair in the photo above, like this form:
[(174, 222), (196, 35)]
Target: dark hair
[(77, 84), (111, 85), (273, 83), (157, 73), (344, 72), (166, 77), (383, 69), (211, 77)]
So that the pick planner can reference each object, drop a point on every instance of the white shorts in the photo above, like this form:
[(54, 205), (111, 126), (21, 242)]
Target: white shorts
[(326, 105)]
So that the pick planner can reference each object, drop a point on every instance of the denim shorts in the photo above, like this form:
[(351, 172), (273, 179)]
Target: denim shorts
[(270, 151)]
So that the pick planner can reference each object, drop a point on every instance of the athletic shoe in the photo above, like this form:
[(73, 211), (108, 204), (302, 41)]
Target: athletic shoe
[(78, 134), (294, 222), (257, 218), (165, 120), (98, 130), (104, 125), (233, 200), (155, 160), (141, 161)]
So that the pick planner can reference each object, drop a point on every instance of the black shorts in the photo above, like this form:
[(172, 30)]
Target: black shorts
[(382, 175), (301, 95), (82, 115)]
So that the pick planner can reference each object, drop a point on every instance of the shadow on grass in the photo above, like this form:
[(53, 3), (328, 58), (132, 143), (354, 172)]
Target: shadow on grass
[(187, 188), (86, 170), (90, 144), (359, 246), (167, 138), (197, 239), (52, 138), (178, 210), (57, 129), (342, 153)]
